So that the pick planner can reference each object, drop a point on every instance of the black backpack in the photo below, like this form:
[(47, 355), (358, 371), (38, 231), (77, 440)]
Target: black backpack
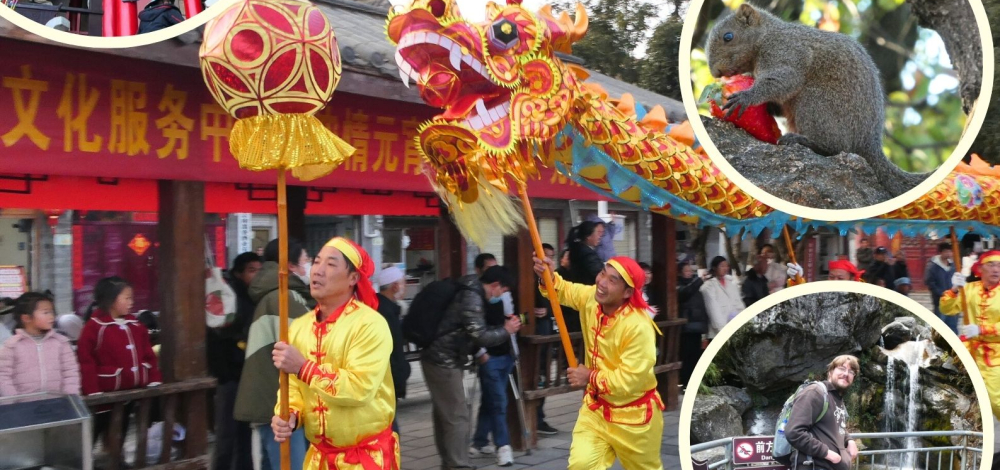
[(420, 325)]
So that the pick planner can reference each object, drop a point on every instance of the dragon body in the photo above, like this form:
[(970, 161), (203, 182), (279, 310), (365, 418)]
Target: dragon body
[(510, 104)]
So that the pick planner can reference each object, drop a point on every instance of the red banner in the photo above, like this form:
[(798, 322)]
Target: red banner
[(81, 113)]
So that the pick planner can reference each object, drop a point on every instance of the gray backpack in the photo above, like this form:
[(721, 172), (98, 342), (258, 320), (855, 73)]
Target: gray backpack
[(781, 446)]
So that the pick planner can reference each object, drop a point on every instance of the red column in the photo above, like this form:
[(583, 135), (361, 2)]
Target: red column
[(108, 19), (129, 18), (191, 8)]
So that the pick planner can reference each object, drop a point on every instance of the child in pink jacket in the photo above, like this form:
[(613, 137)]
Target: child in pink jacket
[(37, 358)]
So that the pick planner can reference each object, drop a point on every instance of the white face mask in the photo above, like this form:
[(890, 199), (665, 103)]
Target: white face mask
[(307, 267)]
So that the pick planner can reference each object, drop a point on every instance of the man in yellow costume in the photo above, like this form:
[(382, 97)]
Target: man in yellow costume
[(982, 336), (341, 390), (622, 411)]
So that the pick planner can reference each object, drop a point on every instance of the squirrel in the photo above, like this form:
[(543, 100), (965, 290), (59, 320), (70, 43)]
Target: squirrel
[(824, 83)]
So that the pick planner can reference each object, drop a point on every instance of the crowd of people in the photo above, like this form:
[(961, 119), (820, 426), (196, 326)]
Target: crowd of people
[(346, 348)]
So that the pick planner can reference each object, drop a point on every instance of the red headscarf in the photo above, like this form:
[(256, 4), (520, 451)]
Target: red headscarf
[(363, 263), (988, 257), (634, 276), (846, 266)]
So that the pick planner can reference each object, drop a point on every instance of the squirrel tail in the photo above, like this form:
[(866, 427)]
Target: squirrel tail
[(894, 179)]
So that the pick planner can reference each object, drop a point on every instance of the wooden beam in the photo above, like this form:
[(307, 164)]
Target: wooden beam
[(664, 289), (181, 277), (451, 250), (517, 252)]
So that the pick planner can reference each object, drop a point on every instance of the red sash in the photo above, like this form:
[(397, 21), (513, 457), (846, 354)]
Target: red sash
[(647, 399), (384, 442)]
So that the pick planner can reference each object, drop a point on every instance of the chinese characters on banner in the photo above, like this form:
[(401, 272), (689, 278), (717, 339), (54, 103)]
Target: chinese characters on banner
[(89, 114)]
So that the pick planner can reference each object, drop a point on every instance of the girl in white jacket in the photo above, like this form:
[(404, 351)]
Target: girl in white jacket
[(722, 296)]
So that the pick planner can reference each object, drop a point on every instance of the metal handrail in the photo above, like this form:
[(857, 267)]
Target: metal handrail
[(967, 461)]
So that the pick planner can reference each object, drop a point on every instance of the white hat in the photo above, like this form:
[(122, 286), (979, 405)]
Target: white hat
[(388, 276)]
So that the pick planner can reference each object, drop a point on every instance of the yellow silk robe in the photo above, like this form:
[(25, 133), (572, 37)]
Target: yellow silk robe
[(620, 350), (984, 310), (344, 395)]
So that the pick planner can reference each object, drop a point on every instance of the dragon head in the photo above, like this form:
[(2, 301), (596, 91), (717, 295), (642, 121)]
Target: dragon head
[(502, 91)]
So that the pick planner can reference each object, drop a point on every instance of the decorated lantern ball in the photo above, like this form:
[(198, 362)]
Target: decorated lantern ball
[(264, 57)]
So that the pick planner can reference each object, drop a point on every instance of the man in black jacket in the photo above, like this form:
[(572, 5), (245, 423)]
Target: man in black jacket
[(159, 14), (461, 332), (392, 286), (755, 285), (822, 436)]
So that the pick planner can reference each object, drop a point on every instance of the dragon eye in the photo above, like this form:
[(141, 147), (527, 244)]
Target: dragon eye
[(503, 34), (727, 37)]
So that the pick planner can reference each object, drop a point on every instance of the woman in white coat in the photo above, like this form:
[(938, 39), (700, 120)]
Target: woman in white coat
[(722, 296)]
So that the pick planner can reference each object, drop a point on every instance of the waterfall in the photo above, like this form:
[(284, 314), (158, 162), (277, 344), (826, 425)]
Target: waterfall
[(915, 355)]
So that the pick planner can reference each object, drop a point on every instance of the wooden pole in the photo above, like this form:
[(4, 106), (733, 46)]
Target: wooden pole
[(547, 279), (791, 251), (956, 252), (286, 455)]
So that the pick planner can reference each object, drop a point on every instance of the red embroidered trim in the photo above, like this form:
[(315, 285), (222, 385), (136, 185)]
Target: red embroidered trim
[(383, 443), (308, 371)]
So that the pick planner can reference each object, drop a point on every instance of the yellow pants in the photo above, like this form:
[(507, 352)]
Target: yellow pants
[(597, 442), (991, 375)]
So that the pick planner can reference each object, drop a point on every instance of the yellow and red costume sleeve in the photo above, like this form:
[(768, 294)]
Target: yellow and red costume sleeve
[(343, 394)]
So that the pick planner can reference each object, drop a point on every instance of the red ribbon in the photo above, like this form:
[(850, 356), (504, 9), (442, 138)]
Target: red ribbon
[(384, 442)]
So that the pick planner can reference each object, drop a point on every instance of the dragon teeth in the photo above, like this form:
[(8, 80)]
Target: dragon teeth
[(456, 57), (481, 109), (476, 123)]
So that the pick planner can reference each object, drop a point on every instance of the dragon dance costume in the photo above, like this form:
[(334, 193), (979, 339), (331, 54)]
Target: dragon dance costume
[(622, 411), (344, 394)]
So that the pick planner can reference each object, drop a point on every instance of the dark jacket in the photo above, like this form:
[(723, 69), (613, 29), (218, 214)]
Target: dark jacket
[(866, 256), (463, 328), (937, 276), (584, 264), (225, 356), (881, 270), (754, 287), (830, 433), (258, 391), (495, 317), (692, 304), (900, 269), (398, 365), (158, 15)]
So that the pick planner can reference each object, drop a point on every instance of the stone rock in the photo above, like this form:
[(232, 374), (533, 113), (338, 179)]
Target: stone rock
[(714, 418), (903, 329), (738, 398), (794, 341), (796, 174)]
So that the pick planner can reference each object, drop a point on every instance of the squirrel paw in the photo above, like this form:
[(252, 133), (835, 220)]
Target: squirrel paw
[(790, 138), (737, 103)]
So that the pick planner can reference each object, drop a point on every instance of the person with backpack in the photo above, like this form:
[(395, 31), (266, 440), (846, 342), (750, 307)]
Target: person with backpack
[(622, 412), (258, 387), (447, 321), (812, 428)]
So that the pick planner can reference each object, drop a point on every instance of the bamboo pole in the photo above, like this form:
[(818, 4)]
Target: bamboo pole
[(791, 251), (957, 254), (547, 279), (286, 454)]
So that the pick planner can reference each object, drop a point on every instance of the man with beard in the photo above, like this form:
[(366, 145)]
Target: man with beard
[(983, 305), (822, 436)]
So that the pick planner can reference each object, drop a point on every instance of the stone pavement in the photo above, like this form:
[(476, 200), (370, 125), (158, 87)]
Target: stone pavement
[(417, 432)]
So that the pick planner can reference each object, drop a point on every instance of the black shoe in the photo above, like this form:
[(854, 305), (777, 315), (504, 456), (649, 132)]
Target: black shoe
[(544, 428)]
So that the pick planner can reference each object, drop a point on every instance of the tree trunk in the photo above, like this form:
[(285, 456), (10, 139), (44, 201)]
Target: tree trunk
[(955, 22), (987, 143), (733, 255), (700, 246)]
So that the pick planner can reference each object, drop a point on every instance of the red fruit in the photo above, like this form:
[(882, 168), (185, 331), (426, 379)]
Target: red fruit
[(755, 120)]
